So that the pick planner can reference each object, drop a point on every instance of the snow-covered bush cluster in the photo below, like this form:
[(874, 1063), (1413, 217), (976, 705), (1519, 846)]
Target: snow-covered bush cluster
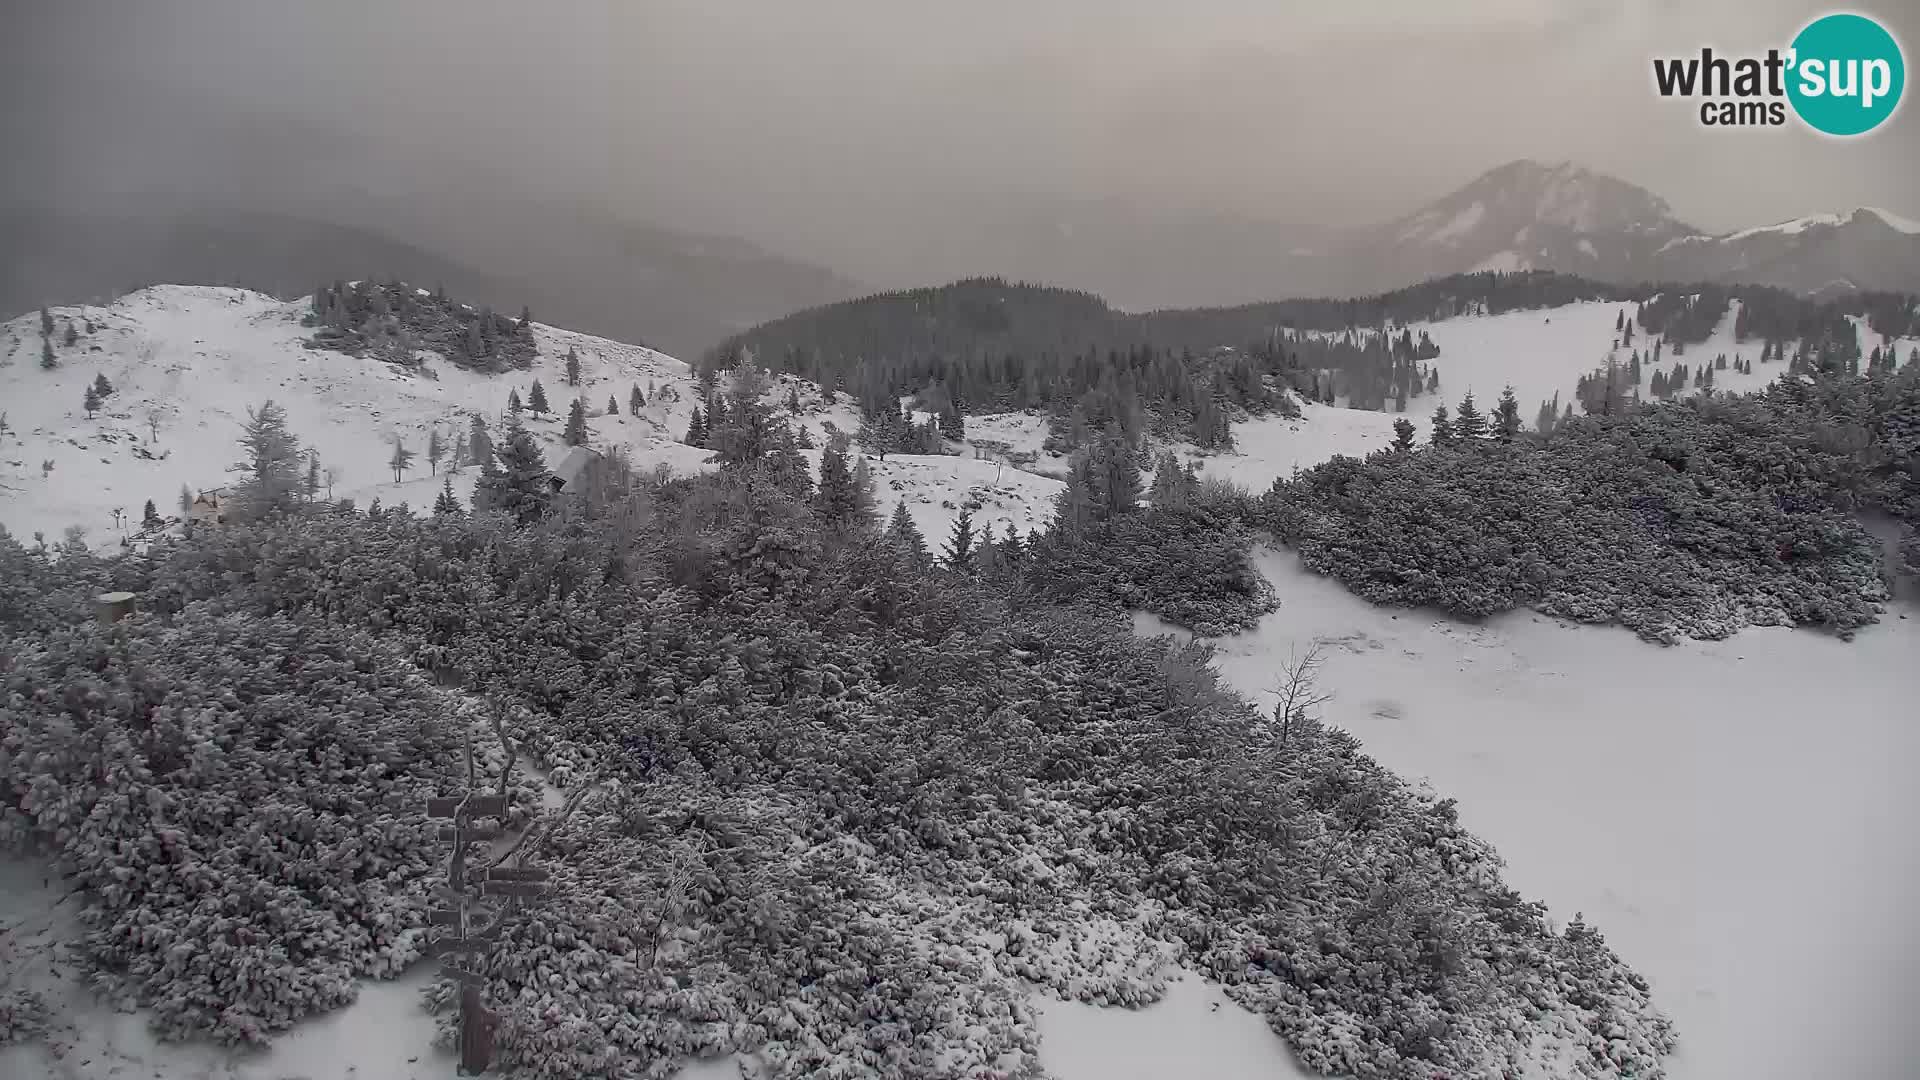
[(1682, 519), (239, 797), (1189, 565), (841, 808), (24, 1016), (392, 320)]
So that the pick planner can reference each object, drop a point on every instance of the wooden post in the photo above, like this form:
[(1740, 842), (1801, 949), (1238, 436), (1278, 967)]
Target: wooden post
[(471, 939)]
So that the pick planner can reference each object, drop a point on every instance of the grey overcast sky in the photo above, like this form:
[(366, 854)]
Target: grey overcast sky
[(794, 123)]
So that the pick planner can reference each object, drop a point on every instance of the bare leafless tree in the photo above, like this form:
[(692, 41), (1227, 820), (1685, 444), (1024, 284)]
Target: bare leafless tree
[(1298, 691)]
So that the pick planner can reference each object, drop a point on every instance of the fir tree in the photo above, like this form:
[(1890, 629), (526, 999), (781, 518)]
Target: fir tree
[(150, 516), (72, 336), (613, 405), (311, 486), (271, 466), (101, 386), (445, 504), (436, 449), (904, 537), (959, 553), (513, 402), (518, 484), (576, 432), (401, 459), (1442, 428), (1403, 436), (866, 506), (697, 429), (573, 373), (1169, 488), (47, 360), (537, 399), (1469, 424), (46, 323), (90, 402), (479, 443), (835, 501), (1506, 417), (635, 402)]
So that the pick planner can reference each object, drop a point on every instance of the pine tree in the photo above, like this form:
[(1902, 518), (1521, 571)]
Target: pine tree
[(311, 486), (1469, 424), (573, 372), (537, 398), (47, 360), (90, 402), (1403, 436), (445, 505), (635, 402), (1442, 428), (271, 467), (576, 432), (793, 400), (959, 550), (185, 502), (101, 386), (46, 323), (436, 449), (150, 516), (613, 406), (513, 402), (697, 429), (401, 460), (526, 319), (904, 537), (1506, 413), (72, 336)]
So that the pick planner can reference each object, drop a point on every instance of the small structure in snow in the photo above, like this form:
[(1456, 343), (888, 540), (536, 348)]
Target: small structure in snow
[(572, 465), (111, 607), (208, 507)]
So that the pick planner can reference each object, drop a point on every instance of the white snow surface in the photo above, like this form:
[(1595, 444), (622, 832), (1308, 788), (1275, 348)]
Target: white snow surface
[(1735, 817), (1787, 228)]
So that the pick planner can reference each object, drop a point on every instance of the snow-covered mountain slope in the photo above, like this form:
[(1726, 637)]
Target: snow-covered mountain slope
[(186, 362), (1529, 215)]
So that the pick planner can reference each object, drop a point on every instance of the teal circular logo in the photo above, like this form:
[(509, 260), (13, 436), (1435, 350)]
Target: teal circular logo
[(1847, 74)]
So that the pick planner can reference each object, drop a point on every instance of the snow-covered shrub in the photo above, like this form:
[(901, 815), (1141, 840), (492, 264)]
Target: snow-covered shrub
[(1694, 518), (24, 1016), (1189, 565), (241, 800), (836, 813)]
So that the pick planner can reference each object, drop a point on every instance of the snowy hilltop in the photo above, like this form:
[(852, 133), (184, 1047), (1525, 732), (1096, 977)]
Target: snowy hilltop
[(184, 363)]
